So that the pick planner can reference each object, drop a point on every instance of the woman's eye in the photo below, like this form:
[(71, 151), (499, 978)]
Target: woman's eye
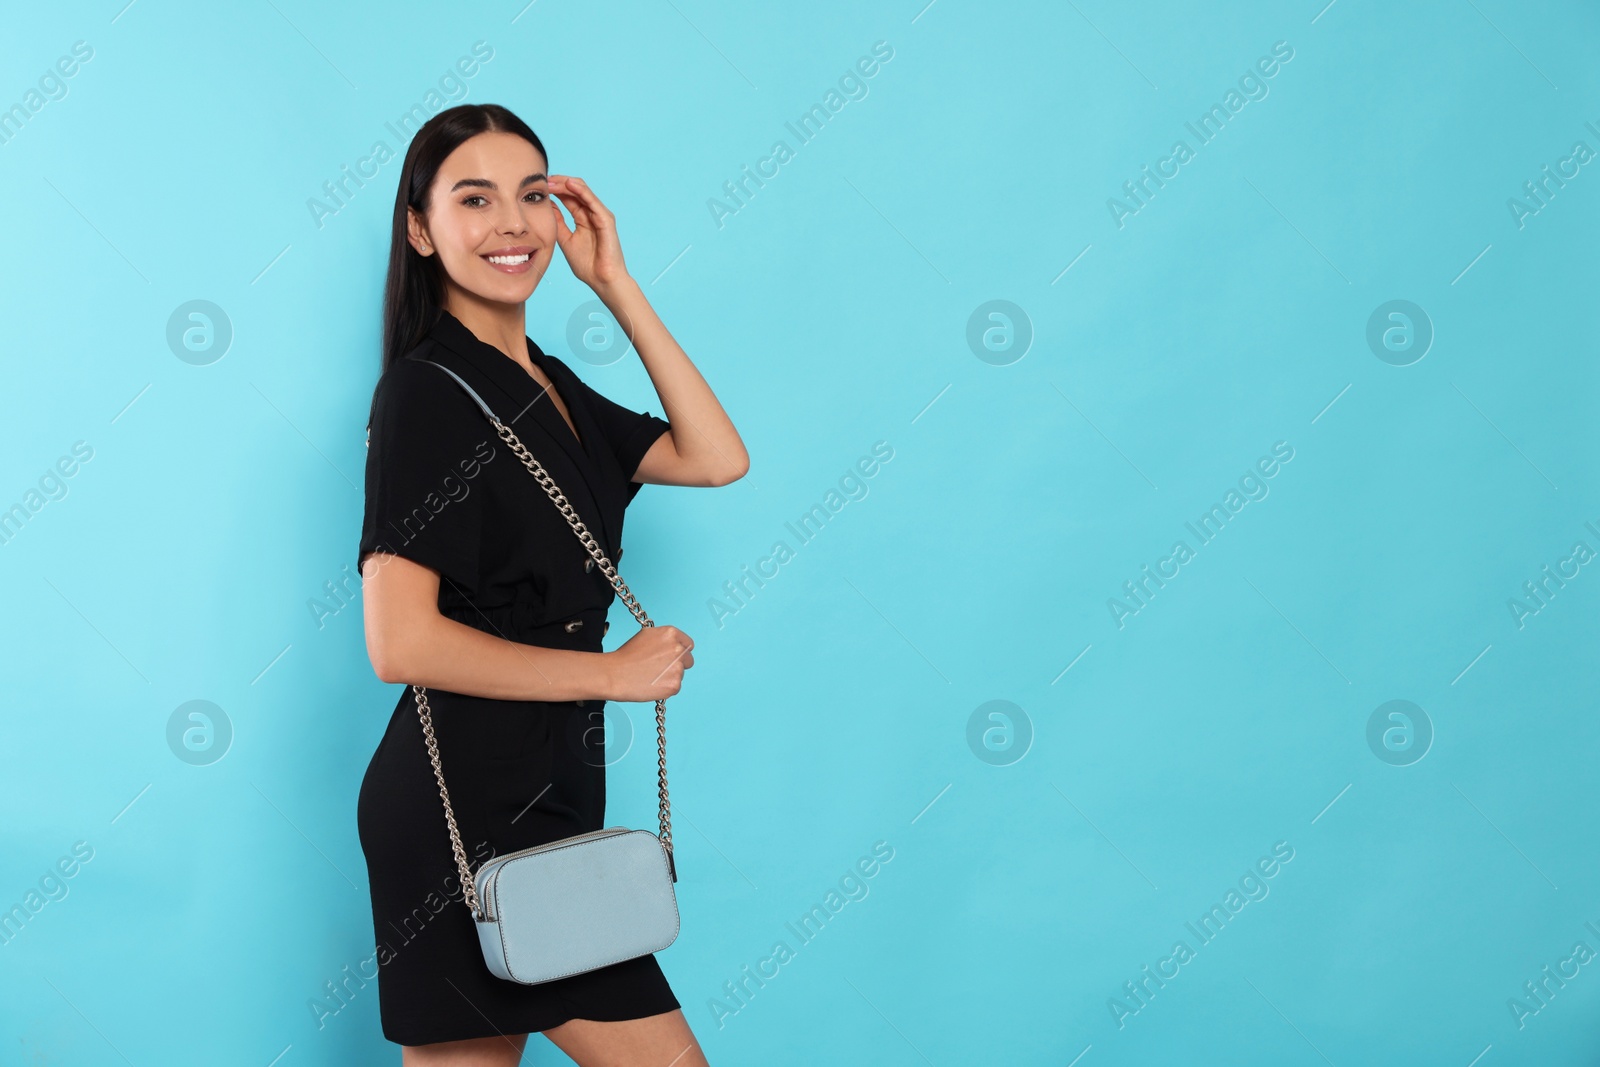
[(468, 201)]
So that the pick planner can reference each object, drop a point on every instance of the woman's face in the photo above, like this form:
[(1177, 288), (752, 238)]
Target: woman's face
[(490, 198)]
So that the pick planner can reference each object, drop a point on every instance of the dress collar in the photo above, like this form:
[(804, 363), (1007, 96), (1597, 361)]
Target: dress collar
[(521, 402), (517, 383)]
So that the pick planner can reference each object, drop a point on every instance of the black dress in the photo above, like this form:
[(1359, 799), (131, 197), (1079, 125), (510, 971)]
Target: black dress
[(443, 490)]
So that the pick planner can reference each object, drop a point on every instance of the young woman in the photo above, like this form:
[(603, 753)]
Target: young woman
[(475, 586)]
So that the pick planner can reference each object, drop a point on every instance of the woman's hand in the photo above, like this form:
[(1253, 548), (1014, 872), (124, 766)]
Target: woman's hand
[(591, 247), (649, 666)]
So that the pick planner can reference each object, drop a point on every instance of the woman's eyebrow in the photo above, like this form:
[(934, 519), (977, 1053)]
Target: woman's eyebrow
[(485, 183)]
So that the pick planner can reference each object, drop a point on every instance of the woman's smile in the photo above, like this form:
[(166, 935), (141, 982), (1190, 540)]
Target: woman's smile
[(515, 260)]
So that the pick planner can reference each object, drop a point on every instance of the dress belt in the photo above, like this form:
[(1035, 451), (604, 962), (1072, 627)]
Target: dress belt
[(581, 630)]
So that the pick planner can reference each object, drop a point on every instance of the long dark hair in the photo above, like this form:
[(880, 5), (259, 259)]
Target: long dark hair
[(414, 291)]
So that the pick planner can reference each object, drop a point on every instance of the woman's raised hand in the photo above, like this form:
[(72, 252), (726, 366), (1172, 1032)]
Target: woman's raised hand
[(591, 246)]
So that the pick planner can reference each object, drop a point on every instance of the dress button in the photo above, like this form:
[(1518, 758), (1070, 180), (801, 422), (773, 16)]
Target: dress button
[(588, 564), (573, 626)]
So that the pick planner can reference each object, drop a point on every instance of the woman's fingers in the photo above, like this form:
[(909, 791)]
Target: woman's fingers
[(575, 192), (580, 213), (563, 231)]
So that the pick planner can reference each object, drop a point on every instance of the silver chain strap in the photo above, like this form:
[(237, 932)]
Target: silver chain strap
[(664, 812)]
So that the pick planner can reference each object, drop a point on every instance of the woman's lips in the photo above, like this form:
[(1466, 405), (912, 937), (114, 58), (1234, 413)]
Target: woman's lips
[(510, 264)]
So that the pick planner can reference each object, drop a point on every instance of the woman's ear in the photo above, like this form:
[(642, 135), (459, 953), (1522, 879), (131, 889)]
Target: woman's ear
[(417, 233)]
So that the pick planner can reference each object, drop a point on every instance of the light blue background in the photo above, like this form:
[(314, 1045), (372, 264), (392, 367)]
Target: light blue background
[(832, 710)]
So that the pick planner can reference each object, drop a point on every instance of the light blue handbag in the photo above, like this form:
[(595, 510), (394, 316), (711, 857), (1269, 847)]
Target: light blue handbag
[(582, 902)]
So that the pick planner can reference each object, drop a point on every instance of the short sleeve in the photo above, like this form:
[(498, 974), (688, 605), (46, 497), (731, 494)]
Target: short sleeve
[(426, 445), (628, 433)]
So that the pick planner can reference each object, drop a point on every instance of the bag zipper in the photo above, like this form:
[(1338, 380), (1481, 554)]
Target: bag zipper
[(486, 873)]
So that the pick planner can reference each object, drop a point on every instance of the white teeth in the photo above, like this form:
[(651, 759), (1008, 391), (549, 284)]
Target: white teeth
[(509, 260)]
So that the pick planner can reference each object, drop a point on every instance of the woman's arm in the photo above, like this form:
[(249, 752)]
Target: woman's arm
[(702, 448), (409, 641)]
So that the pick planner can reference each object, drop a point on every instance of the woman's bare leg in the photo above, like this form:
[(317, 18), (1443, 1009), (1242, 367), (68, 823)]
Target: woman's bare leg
[(503, 1051), (655, 1041)]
